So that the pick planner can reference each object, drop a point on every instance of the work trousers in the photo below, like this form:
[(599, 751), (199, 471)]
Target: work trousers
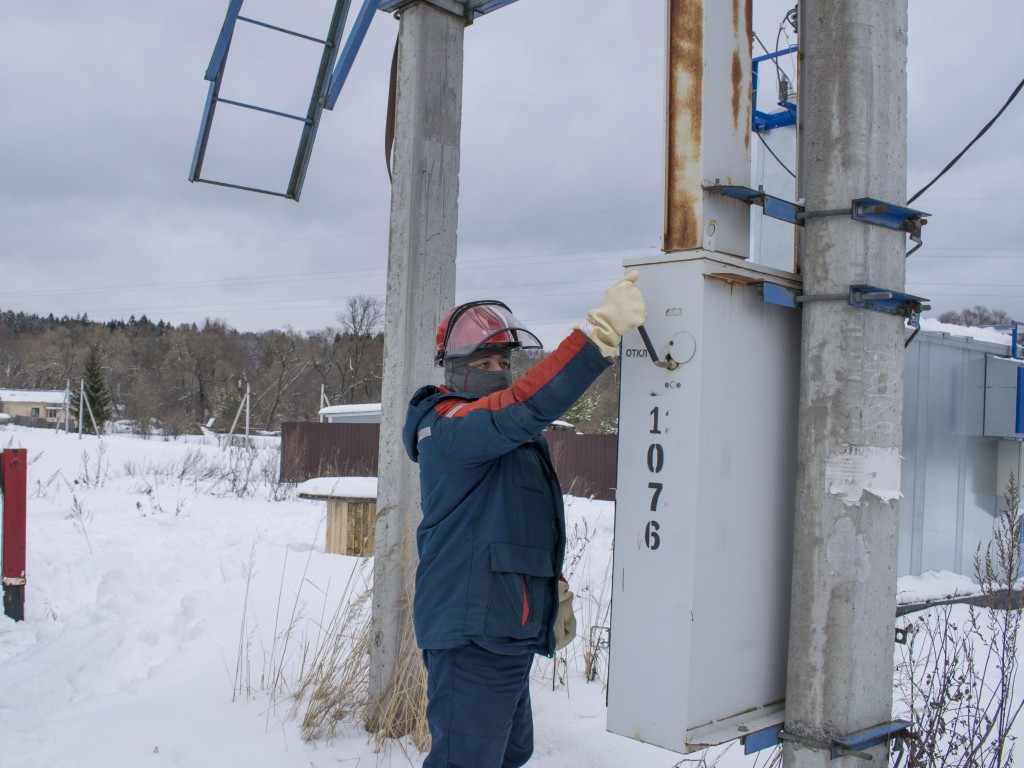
[(478, 708)]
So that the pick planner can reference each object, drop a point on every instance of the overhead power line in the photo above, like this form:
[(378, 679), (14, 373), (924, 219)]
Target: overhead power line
[(981, 133), (37, 258)]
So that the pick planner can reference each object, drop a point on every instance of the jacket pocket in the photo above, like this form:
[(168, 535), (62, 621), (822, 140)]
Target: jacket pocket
[(527, 470), (520, 579)]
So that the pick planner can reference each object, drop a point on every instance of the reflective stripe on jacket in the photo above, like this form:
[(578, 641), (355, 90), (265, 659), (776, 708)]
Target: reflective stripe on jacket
[(492, 539)]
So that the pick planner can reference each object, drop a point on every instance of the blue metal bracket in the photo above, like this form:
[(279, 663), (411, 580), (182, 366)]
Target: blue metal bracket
[(864, 209), (777, 294), (772, 293), (854, 745), (766, 121), (775, 207), (857, 743), (877, 300), (763, 739), (882, 214), (888, 302)]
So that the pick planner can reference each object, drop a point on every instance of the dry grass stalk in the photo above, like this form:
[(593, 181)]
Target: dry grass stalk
[(958, 682), (336, 686), (399, 709)]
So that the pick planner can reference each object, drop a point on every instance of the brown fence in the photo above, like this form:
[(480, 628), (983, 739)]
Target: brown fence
[(311, 449), (585, 463)]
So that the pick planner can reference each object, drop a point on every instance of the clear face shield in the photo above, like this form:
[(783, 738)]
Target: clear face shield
[(487, 337), (477, 324)]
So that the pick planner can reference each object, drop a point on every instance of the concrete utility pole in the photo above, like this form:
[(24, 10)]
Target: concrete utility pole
[(421, 287), (853, 136)]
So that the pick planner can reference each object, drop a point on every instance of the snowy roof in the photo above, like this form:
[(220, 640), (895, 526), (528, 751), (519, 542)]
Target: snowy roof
[(978, 334), (50, 396), (338, 488), (358, 408), (359, 413), (370, 412)]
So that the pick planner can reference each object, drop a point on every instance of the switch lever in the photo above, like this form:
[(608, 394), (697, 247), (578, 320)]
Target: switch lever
[(668, 362)]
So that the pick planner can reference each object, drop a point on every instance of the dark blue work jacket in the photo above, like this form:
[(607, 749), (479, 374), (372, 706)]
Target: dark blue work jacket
[(492, 539)]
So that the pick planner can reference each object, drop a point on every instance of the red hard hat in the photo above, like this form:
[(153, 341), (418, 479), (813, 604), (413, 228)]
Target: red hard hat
[(468, 327)]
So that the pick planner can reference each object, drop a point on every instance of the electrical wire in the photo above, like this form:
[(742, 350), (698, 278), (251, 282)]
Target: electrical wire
[(981, 133), (253, 280), (36, 259), (792, 18), (779, 74), (777, 158)]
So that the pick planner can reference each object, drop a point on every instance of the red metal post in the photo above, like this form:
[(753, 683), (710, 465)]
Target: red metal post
[(14, 484)]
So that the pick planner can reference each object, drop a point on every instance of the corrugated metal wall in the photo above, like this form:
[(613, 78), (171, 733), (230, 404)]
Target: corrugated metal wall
[(585, 463), (951, 493)]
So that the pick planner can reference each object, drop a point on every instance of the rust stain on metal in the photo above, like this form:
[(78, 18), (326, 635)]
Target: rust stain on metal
[(737, 66), (742, 27), (685, 98), (748, 41), (737, 88)]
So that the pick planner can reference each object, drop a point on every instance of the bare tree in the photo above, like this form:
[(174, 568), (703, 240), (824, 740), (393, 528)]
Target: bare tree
[(358, 351), (283, 361), (976, 317), (363, 316)]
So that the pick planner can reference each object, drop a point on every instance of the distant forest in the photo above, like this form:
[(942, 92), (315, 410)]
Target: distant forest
[(173, 378)]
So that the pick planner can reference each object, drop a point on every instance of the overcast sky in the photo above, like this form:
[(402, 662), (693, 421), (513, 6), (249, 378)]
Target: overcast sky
[(561, 170)]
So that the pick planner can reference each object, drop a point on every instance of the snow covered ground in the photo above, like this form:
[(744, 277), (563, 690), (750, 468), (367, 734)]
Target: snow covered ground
[(161, 578)]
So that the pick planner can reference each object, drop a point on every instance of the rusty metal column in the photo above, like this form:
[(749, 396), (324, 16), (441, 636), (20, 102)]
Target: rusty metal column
[(709, 112), (420, 288), (853, 143)]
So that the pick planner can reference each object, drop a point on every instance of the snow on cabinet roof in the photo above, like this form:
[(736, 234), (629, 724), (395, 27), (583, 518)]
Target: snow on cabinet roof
[(50, 396), (338, 488)]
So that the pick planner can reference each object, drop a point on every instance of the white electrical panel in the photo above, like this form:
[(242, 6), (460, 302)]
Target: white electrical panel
[(704, 503)]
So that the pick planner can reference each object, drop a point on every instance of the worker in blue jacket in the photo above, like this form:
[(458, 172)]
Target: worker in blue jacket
[(492, 539)]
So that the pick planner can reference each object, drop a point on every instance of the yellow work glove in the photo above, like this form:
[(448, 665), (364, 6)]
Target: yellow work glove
[(565, 624), (621, 311)]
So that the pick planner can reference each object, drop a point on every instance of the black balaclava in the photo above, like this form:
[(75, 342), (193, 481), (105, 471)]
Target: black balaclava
[(460, 376)]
